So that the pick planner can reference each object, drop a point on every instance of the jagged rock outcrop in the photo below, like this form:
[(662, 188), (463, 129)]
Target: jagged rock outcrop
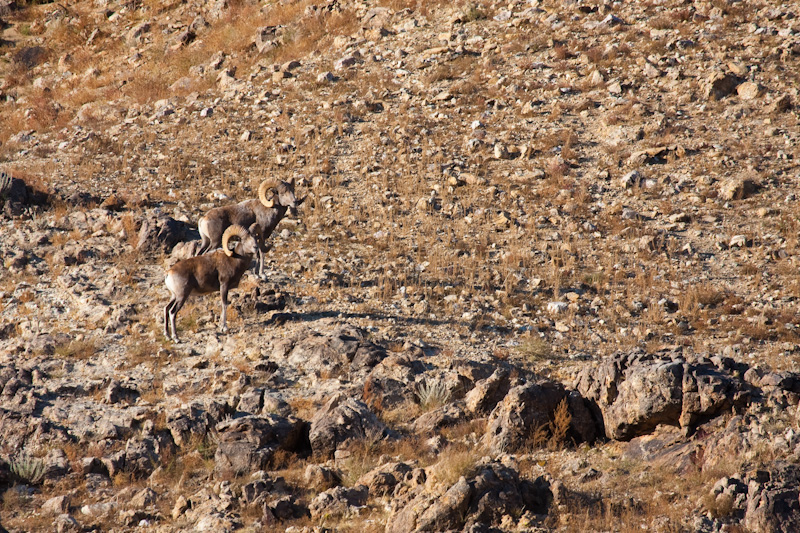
[(16, 196), (342, 420), (345, 348), (247, 444), (531, 407), (160, 233), (338, 501), (193, 421), (490, 493), (772, 499), (382, 480), (387, 385), (765, 499), (321, 477), (633, 393)]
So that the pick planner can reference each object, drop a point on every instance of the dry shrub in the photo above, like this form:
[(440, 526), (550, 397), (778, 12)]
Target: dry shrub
[(423, 7), (560, 52), (455, 462), (308, 32), (701, 296), (556, 169), (538, 438), (13, 122), (559, 426), (364, 454), (553, 434), (536, 350), (719, 506), (43, 112), (567, 147), (78, 349), (596, 54), (148, 86), (235, 32), (131, 228), (286, 461), (432, 394)]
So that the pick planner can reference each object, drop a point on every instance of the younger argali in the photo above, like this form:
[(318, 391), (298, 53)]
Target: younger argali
[(261, 216), (218, 271)]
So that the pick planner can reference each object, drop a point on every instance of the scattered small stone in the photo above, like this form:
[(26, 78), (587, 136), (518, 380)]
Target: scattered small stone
[(555, 308), (326, 77), (749, 90), (737, 188), (739, 241)]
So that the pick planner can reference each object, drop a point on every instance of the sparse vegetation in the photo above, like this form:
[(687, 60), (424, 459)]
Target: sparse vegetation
[(432, 394), (467, 164), (27, 469)]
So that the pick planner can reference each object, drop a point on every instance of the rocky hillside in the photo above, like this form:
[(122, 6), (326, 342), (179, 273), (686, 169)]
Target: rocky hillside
[(545, 276)]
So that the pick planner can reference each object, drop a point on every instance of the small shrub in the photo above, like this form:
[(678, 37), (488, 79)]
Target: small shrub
[(27, 468), (536, 350), (560, 425), (473, 12), (83, 349), (432, 394), (454, 463), (719, 506)]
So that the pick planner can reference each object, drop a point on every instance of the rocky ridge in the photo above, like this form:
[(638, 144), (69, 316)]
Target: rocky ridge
[(548, 262)]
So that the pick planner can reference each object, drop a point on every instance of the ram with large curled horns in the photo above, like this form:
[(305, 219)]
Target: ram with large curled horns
[(261, 216), (220, 271)]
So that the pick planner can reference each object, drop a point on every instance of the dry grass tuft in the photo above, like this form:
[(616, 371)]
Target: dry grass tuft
[(455, 462)]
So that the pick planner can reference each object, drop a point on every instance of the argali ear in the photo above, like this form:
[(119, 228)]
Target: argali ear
[(291, 181), (301, 200), (253, 229)]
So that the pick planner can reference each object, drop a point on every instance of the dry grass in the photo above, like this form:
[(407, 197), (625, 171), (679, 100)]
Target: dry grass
[(80, 350), (455, 461), (477, 264), (535, 350)]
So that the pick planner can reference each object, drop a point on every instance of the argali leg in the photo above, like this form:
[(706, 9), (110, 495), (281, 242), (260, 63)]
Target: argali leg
[(261, 251), (205, 245), (173, 315), (223, 293), (167, 315)]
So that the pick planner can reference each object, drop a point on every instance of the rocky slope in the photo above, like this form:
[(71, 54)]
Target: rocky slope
[(545, 278)]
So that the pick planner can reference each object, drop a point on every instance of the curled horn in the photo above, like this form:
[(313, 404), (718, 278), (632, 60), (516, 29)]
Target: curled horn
[(232, 231), (262, 192)]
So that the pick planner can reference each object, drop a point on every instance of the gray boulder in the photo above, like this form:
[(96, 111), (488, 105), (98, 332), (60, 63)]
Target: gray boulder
[(481, 499), (160, 233), (486, 393), (342, 420), (387, 385), (321, 477), (346, 348), (247, 444), (338, 501), (772, 499), (633, 393), (381, 481), (445, 416), (191, 423), (525, 409)]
